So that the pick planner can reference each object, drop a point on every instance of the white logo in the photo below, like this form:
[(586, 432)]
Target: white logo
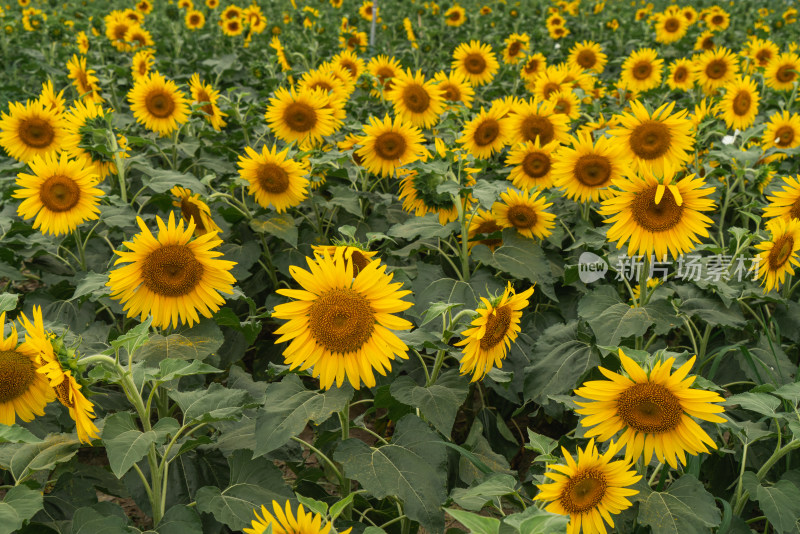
[(591, 267)]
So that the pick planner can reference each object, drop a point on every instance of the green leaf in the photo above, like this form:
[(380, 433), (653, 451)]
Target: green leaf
[(790, 392), (708, 307), (19, 504), (439, 402), (340, 505), (92, 284), (32, 457), (422, 227), (289, 406), (482, 451), (8, 302), (539, 443), (170, 369), (318, 507), (91, 520), (252, 483), (213, 404), (477, 524), (125, 444), (685, 508), (410, 468), (536, 521), (180, 519), (780, 502), (162, 180), (134, 338), (279, 225), (17, 434), (476, 497), (755, 402), (195, 343)]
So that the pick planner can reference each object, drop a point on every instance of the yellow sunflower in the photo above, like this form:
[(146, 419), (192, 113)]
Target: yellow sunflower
[(193, 209), (531, 120), (194, 19), (641, 71), (172, 277), (231, 12), (661, 141), (61, 193), (204, 94), (534, 65), (705, 41), (284, 522), (416, 100), (51, 99), (782, 131), (715, 68), (383, 68), (782, 71), (762, 52), (566, 102), (158, 104), (348, 253), (778, 254), (590, 489), (658, 216), (525, 212), (552, 80), (456, 87), (670, 27), (586, 170), (353, 65), (786, 202), (340, 322), (739, 106), (274, 178), (476, 62), (83, 79), (455, 16), (533, 165), (139, 36), (141, 64), (81, 123), (484, 223), (587, 55), (718, 19), (302, 116), (486, 133), (388, 145), (31, 130), (232, 27), (654, 409), (681, 75), (517, 45)]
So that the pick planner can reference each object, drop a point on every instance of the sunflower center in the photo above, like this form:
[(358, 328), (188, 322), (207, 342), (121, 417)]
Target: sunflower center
[(272, 178), (452, 93), (536, 164), (784, 136), (16, 375), (650, 140), (741, 103), (341, 320), (299, 117), (455, 16), (160, 104), (672, 25), (487, 132), (717, 19), (142, 67), (171, 271), (656, 217), (497, 323), (59, 193), (583, 491), (708, 43), (536, 125), (550, 88), (795, 211), (763, 57), (62, 393), (522, 216), (586, 59), (359, 261), (716, 69), (233, 25), (384, 74), (786, 73), (194, 19), (593, 170), (650, 408), (475, 63), (681, 73), (190, 211), (36, 132), (416, 98), (642, 70), (350, 67), (390, 145), (563, 106), (120, 30), (532, 66), (514, 48), (781, 250), (489, 227)]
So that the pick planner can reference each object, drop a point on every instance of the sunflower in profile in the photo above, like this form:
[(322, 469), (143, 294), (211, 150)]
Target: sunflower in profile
[(416, 100), (388, 145), (778, 254), (341, 322), (484, 223), (61, 193), (641, 71), (83, 79), (81, 123), (24, 392), (383, 68), (455, 16), (590, 489), (739, 106), (158, 104), (782, 71), (193, 209), (716, 68), (786, 202), (206, 96), (476, 62), (525, 212), (681, 75), (531, 120), (588, 55), (586, 170), (532, 164), (661, 140), (782, 131), (300, 115), (516, 48), (492, 332), (456, 88), (670, 27), (534, 65), (172, 276), (359, 257), (30, 130), (487, 133), (82, 41), (141, 64), (658, 216), (653, 409), (274, 178), (284, 522)]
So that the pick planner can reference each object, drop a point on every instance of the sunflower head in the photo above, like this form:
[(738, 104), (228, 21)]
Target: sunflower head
[(526, 212), (779, 254), (476, 62), (158, 104), (275, 178), (283, 521), (32, 129)]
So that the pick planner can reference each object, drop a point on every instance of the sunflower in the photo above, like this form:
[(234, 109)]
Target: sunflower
[(739, 106), (353, 40), (533, 120), (718, 19), (171, 277), (670, 27), (351, 63), (144, 6), (194, 19), (641, 71), (274, 178), (51, 99), (778, 254), (139, 36), (555, 20), (525, 212), (203, 93), (141, 64), (254, 17), (285, 522), (681, 75), (484, 223), (81, 123), (231, 12), (455, 16), (785, 203), (552, 80), (84, 79), (116, 28), (782, 131), (705, 41), (661, 140), (487, 133), (782, 71), (340, 321), (533, 164), (416, 100), (365, 10), (384, 69), (762, 52), (516, 48), (534, 65), (31, 130), (420, 195), (566, 102), (300, 115), (587, 55), (658, 216), (194, 210), (476, 62), (715, 68), (158, 104), (492, 332), (388, 145), (456, 87), (232, 27), (83, 42), (586, 170), (590, 490)]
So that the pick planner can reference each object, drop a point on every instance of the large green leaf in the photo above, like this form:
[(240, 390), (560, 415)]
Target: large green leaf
[(125, 444), (104, 517), (780, 502), (170, 369), (755, 402), (410, 468), (424, 227), (685, 508), (708, 307), (180, 519), (278, 225), (477, 524), (213, 404), (23, 459), (16, 434), (19, 504), (476, 497), (162, 180), (482, 458), (438, 402), (193, 343), (8, 302), (536, 521)]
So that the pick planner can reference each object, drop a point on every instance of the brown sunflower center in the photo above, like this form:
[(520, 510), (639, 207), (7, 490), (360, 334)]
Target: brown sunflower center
[(536, 164), (650, 140), (549, 88), (672, 25), (536, 125), (452, 93), (489, 227), (139, 38), (171, 271), (36, 132), (390, 146), (532, 66), (142, 68), (299, 117), (563, 106), (272, 178), (120, 30), (717, 20), (716, 69), (359, 261), (455, 16), (794, 213), (416, 98), (642, 70), (763, 57), (486, 132), (159, 104), (233, 25), (62, 393), (586, 58), (650, 408), (784, 136), (59, 193), (16, 375), (475, 63), (194, 19), (341, 320), (514, 48), (680, 75), (786, 73), (522, 216), (583, 491), (708, 43), (656, 217), (781, 250), (349, 66), (384, 74), (497, 323), (593, 170), (191, 212), (742, 103)]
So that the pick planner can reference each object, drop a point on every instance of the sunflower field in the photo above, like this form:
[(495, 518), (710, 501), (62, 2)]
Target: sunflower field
[(399, 267)]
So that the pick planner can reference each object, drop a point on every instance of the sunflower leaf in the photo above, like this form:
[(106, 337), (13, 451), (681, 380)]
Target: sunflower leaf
[(477, 524), (438, 402), (19, 504), (685, 508)]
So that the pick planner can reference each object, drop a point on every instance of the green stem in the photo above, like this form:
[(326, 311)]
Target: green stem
[(321, 455), (80, 245), (437, 367), (119, 163), (344, 419)]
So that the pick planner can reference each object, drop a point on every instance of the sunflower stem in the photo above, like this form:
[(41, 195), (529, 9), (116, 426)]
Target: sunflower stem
[(123, 190), (437, 367), (81, 246), (344, 419)]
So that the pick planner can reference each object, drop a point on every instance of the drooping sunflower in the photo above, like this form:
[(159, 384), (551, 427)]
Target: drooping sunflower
[(30, 130), (782, 71), (284, 522), (681, 74), (739, 106), (786, 202), (641, 71), (141, 64), (670, 27), (782, 131), (516, 48), (456, 87), (484, 223), (588, 55), (487, 133), (416, 100), (83, 79), (658, 216), (476, 62), (341, 322), (420, 196), (455, 16), (654, 409), (586, 170), (300, 115), (204, 94), (779, 253), (194, 19), (715, 68), (661, 141), (492, 332), (531, 120), (60, 194), (172, 276), (533, 165), (590, 489), (388, 145), (274, 178), (525, 212), (193, 209), (158, 104)]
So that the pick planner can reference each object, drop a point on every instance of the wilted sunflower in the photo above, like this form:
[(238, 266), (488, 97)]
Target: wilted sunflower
[(492, 332), (681, 75), (387, 145), (203, 93), (83, 79), (715, 68), (588, 55), (782, 71), (590, 489), (30, 130), (525, 212), (531, 120), (172, 277), (654, 409), (285, 522), (661, 141), (61, 193), (141, 64), (785, 203), (516, 48), (739, 106), (487, 133), (158, 104), (476, 62), (778, 254), (194, 19), (782, 131), (484, 223), (670, 27), (341, 322), (533, 164), (274, 178), (455, 16), (193, 209), (456, 88), (586, 170), (658, 217), (300, 115), (641, 71), (416, 100)]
